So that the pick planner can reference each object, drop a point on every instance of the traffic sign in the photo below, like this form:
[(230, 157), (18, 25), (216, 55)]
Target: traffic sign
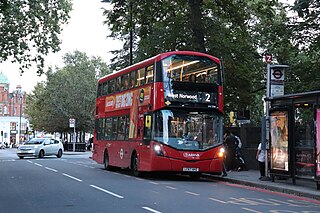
[(72, 122), (268, 58)]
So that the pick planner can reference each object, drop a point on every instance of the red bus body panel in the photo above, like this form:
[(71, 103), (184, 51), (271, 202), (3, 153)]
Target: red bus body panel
[(173, 160)]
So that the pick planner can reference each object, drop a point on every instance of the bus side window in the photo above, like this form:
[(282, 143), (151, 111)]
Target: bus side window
[(108, 129), (132, 78), (114, 128), (118, 84), (99, 126), (99, 90), (121, 128), (141, 77), (111, 87), (127, 126), (124, 82), (105, 88), (149, 74)]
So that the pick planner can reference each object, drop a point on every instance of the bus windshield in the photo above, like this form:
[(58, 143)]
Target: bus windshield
[(188, 130), (186, 68)]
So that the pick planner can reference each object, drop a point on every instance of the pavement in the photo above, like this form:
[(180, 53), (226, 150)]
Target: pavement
[(303, 187)]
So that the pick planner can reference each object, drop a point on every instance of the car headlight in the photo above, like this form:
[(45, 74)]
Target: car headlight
[(157, 149)]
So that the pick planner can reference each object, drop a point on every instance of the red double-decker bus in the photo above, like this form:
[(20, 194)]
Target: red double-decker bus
[(162, 114)]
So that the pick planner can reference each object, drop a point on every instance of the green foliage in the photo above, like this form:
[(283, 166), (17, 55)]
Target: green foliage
[(304, 71), (29, 30), (307, 31), (228, 29), (240, 32), (69, 92)]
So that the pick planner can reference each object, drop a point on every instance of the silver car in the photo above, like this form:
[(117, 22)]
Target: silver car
[(2, 145), (40, 147)]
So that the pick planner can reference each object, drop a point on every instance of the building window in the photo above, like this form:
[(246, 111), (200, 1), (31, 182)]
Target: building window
[(5, 110), (13, 126)]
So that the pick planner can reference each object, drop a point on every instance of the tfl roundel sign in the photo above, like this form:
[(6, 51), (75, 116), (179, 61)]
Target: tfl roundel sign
[(277, 74)]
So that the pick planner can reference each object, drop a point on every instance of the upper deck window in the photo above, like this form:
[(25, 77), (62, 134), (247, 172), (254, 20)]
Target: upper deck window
[(141, 76), (149, 74), (186, 68)]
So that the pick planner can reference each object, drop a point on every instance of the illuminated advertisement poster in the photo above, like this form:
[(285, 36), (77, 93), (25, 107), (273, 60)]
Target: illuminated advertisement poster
[(126, 99), (279, 141), (318, 143)]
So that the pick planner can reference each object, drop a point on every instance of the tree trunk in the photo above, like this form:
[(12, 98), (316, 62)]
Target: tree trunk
[(197, 25)]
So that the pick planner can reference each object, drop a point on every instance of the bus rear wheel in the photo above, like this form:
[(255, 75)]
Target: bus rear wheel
[(106, 161)]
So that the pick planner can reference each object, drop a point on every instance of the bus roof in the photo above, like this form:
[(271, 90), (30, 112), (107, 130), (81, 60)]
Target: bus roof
[(155, 58)]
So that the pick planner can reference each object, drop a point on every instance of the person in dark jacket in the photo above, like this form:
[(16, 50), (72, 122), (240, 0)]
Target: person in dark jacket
[(230, 143)]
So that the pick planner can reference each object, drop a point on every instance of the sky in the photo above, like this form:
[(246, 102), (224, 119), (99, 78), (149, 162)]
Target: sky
[(85, 32)]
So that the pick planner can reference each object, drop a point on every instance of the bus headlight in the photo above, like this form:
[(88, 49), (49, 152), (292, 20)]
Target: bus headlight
[(221, 152), (157, 149)]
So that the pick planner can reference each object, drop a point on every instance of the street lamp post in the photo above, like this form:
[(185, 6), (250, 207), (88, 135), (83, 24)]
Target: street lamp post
[(20, 97)]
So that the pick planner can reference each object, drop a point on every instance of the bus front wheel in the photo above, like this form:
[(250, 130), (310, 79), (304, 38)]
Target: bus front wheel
[(135, 165)]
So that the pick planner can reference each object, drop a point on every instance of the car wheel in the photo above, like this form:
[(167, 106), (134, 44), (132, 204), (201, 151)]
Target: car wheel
[(59, 155), (21, 157), (41, 154)]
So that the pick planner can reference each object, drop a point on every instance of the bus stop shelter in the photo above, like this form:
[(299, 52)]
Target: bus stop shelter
[(295, 136)]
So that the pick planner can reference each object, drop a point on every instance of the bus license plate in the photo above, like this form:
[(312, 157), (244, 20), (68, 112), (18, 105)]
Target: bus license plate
[(190, 169)]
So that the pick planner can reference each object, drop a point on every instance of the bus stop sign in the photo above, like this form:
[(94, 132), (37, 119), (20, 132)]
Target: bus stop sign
[(268, 58), (72, 122)]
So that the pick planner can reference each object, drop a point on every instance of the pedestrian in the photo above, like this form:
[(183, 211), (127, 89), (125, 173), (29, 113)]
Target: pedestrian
[(260, 156), (239, 151), (224, 170), (230, 143)]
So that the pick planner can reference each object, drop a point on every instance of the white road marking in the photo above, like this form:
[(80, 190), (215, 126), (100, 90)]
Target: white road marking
[(251, 210), (106, 191), (51, 169), (150, 209), (170, 187), (219, 201), (9, 160), (38, 164), (155, 183), (137, 178), (29, 161), (192, 193), (69, 176)]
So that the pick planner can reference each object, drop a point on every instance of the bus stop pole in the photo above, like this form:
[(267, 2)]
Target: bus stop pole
[(267, 124), (74, 138)]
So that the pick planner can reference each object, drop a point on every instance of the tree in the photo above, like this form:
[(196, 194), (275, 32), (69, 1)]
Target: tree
[(237, 31), (307, 31), (29, 30), (304, 64), (69, 92)]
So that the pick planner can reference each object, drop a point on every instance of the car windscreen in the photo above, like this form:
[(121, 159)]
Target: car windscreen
[(35, 141)]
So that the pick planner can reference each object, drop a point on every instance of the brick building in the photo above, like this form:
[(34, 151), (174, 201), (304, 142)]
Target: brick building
[(12, 117)]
